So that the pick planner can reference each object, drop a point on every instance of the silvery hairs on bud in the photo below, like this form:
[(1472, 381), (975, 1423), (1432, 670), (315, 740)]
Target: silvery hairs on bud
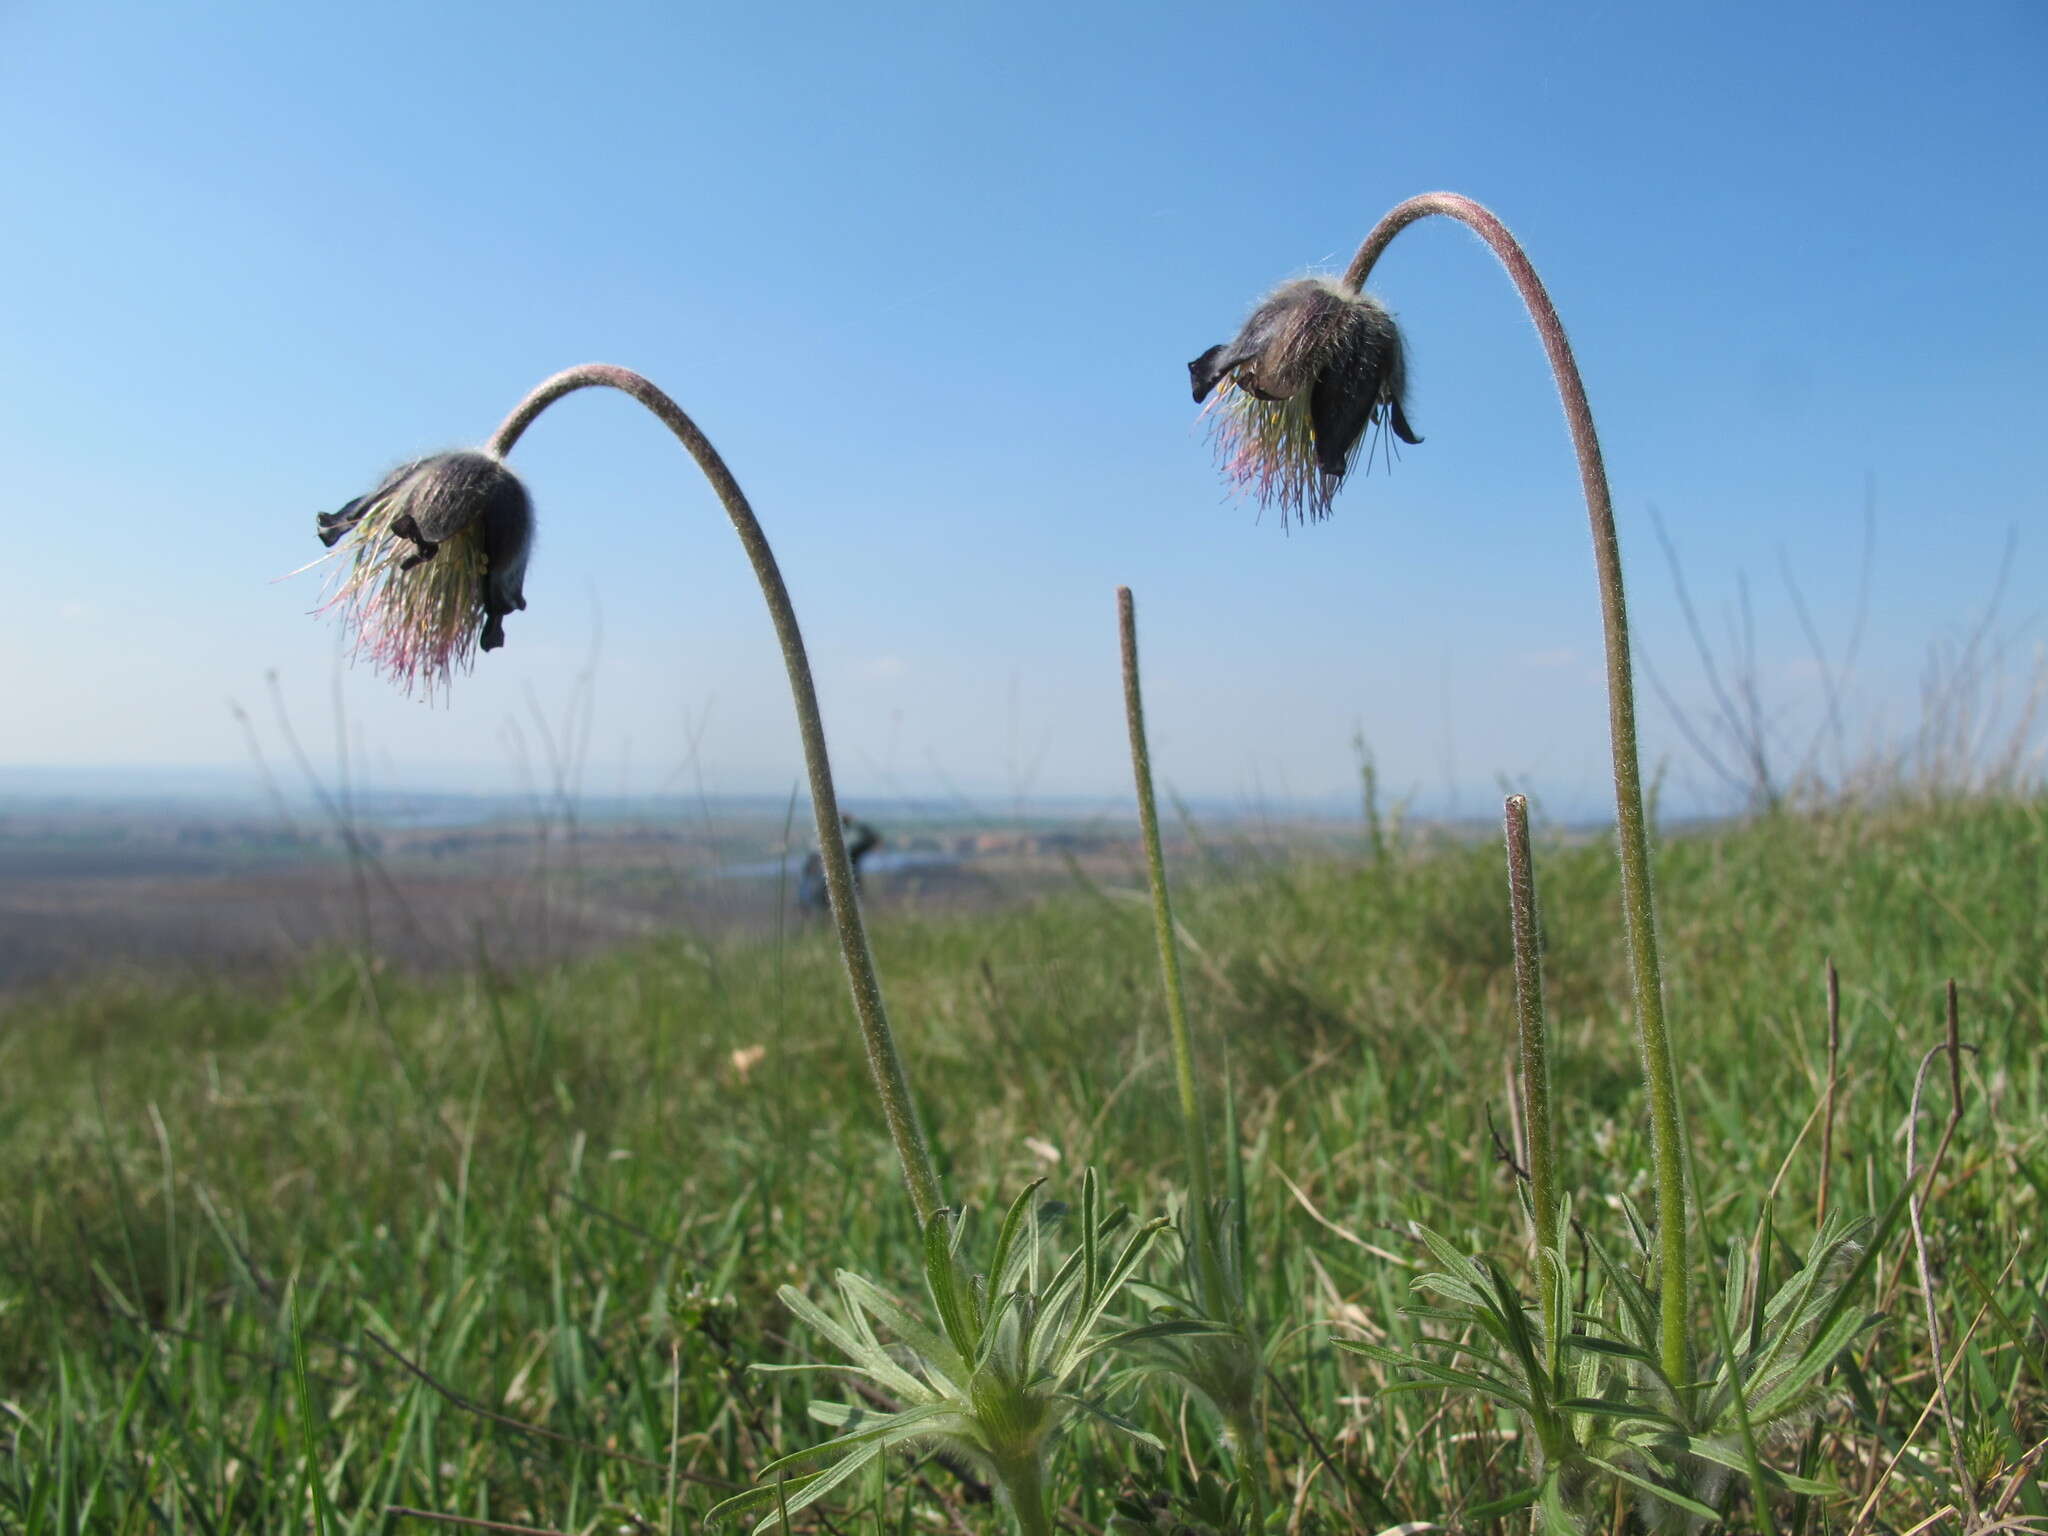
[(469, 521), (1309, 372), (434, 500)]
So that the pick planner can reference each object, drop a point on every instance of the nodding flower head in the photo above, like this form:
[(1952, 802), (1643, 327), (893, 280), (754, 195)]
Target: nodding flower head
[(1313, 368), (437, 559)]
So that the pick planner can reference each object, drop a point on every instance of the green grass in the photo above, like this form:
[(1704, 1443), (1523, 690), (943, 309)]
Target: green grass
[(559, 1196)]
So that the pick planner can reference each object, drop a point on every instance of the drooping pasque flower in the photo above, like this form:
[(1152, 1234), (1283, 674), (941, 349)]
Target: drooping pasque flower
[(437, 559), (1312, 369)]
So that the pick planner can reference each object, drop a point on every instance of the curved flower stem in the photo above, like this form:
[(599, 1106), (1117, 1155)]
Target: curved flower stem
[(891, 1085), (1631, 824)]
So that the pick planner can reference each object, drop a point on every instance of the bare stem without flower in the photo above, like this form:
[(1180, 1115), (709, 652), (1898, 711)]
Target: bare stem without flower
[(1205, 1237), (1632, 826), (1197, 1142), (891, 1084), (1827, 1124), (1542, 1149)]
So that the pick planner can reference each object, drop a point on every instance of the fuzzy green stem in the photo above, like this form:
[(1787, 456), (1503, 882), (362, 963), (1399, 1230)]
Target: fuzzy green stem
[(1542, 1149), (1240, 1422), (1632, 826), (1827, 1122), (1196, 1139), (892, 1086), (1248, 1441), (1023, 1480)]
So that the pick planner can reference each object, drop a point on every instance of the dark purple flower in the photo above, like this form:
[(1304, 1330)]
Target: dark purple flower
[(439, 558), (1312, 369)]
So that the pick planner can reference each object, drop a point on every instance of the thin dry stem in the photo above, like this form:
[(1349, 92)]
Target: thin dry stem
[(1882, 1475), (2016, 1480), (1915, 1210)]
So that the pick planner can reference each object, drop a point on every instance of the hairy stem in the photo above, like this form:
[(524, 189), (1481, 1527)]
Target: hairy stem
[(1248, 1446), (1632, 825), (1023, 1482), (1542, 1149), (1196, 1139), (891, 1084), (1827, 1124), (1221, 1304)]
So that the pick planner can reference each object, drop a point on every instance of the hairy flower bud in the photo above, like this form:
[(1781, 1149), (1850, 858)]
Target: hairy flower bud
[(1311, 370), (438, 559)]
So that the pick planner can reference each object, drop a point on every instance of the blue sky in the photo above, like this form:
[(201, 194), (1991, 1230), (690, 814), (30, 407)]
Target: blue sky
[(929, 277)]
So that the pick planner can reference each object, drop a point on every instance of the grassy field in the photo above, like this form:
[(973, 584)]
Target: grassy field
[(503, 1246)]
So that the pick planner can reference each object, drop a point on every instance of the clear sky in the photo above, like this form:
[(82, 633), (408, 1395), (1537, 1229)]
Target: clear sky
[(930, 276)]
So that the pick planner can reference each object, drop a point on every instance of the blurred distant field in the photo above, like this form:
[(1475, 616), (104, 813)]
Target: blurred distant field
[(155, 892)]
